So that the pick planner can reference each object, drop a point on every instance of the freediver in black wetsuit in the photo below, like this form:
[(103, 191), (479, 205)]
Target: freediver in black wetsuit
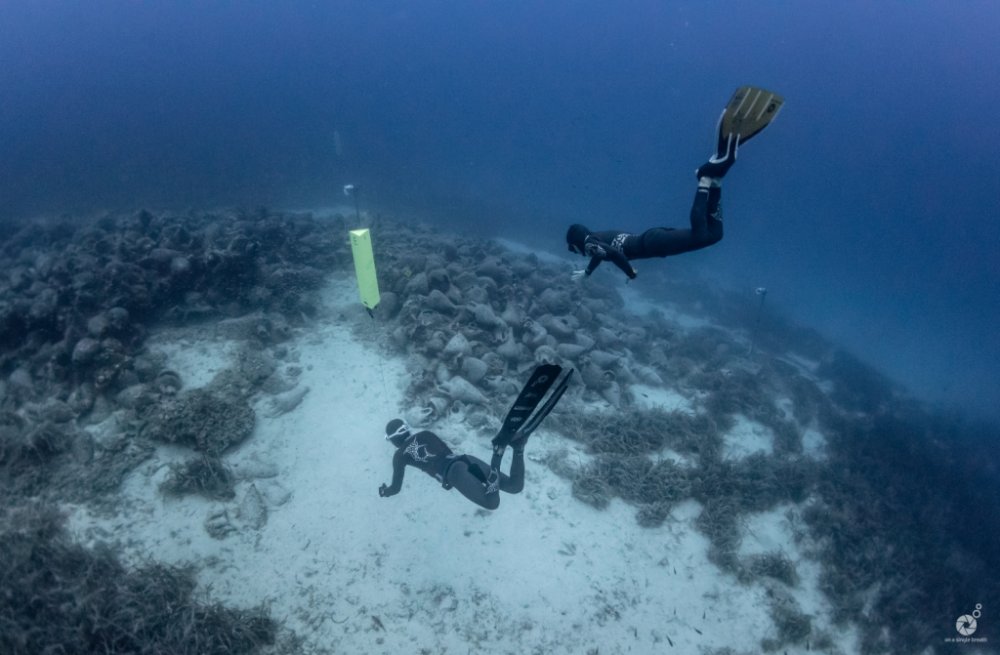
[(467, 473), (475, 479), (749, 111)]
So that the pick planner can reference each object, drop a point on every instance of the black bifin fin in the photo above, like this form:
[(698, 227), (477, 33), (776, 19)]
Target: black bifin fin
[(532, 423), (524, 406)]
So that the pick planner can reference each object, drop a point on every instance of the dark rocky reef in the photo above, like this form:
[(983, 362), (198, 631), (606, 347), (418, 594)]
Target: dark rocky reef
[(78, 297)]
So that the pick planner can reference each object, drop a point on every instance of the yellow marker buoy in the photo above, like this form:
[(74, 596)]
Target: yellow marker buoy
[(364, 267)]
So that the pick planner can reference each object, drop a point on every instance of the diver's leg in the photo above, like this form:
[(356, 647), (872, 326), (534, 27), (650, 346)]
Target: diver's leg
[(706, 228), (466, 477), (514, 483), (706, 213)]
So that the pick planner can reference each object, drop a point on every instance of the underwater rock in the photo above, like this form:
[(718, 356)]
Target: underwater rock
[(437, 279), (85, 351), (400, 337), (130, 396), (417, 285), (98, 325), (555, 301), (56, 411), (81, 399), (389, 306), (205, 476), (21, 380), (205, 420), (44, 306), (180, 267)]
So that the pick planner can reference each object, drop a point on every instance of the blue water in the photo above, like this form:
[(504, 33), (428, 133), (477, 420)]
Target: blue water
[(870, 209)]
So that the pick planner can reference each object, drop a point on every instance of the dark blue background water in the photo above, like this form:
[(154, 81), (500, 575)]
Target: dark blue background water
[(870, 209)]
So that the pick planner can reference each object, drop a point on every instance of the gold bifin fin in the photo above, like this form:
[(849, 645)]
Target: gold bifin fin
[(749, 111)]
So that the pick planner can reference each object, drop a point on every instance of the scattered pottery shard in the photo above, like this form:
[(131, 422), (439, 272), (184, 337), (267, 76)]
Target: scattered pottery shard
[(457, 345), (419, 417), (275, 494), (485, 316), (612, 393), (219, 525), (647, 374), (254, 468), (253, 511), (286, 402), (509, 349), (593, 376), (440, 302), (604, 359), (570, 350), (458, 388), (474, 369)]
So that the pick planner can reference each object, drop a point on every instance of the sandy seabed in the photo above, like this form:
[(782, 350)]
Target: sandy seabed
[(426, 571)]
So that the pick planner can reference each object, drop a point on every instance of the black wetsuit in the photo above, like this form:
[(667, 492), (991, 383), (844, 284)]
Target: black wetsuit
[(621, 247), (470, 475)]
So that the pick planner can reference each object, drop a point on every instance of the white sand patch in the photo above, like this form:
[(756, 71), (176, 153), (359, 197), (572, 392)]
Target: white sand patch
[(769, 532), (807, 367), (649, 397), (426, 570), (785, 405), (781, 531), (194, 354), (746, 438), (543, 255), (637, 302), (814, 444)]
